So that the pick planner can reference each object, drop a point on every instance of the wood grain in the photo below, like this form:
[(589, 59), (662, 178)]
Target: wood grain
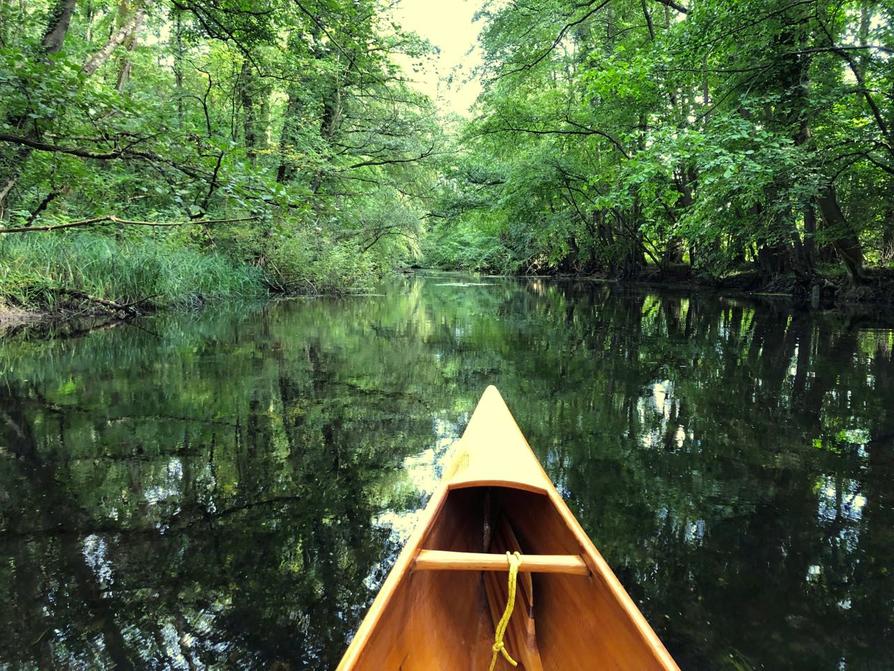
[(444, 560)]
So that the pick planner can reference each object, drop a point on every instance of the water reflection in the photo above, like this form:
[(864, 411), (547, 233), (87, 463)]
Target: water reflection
[(227, 490)]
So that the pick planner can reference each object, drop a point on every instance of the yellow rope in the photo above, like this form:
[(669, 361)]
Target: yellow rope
[(499, 647)]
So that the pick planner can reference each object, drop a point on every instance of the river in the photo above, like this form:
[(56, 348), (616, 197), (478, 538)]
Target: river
[(227, 488)]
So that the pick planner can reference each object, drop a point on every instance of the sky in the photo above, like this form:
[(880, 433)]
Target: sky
[(448, 25)]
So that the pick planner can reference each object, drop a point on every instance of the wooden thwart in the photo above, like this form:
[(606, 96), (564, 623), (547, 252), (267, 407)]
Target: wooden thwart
[(442, 560)]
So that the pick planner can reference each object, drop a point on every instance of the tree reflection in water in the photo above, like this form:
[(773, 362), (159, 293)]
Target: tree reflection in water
[(228, 490)]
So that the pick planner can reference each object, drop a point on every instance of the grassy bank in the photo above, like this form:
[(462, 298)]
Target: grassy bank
[(69, 272), (80, 272)]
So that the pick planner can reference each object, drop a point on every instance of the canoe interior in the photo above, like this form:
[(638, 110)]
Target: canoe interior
[(445, 619)]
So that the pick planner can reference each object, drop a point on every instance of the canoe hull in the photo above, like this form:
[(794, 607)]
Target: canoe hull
[(429, 619)]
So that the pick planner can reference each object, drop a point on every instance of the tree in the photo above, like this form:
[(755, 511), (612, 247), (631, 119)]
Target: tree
[(637, 136), (321, 146)]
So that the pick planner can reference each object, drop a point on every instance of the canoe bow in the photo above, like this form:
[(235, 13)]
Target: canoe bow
[(434, 610)]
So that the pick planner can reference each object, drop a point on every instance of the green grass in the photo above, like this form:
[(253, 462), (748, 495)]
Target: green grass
[(33, 267)]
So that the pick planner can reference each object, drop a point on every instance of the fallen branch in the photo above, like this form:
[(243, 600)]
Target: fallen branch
[(112, 219), (128, 308)]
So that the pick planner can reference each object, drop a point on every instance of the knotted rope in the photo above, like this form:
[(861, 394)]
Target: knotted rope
[(499, 647)]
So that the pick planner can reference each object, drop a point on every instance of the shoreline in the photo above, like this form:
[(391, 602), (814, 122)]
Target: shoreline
[(834, 294), (13, 318), (873, 302)]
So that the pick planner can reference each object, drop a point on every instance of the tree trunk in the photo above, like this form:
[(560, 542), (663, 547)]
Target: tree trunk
[(810, 234), (673, 252), (845, 239), (57, 25), (286, 171), (773, 260), (246, 94), (178, 64), (53, 38), (886, 249), (887, 255), (329, 125), (126, 64), (127, 28)]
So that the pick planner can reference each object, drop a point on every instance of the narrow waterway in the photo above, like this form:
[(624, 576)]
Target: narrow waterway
[(227, 489)]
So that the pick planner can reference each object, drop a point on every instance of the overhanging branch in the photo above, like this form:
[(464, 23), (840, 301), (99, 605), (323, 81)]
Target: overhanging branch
[(362, 164), (579, 131), (122, 153), (112, 219)]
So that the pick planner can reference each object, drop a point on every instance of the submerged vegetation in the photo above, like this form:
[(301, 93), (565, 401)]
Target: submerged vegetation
[(173, 150)]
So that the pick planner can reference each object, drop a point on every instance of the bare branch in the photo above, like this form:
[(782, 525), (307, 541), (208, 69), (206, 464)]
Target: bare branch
[(112, 219)]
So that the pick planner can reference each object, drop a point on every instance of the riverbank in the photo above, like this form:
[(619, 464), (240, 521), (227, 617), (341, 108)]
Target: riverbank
[(65, 278), (824, 292), (85, 274), (13, 318), (67, 313)]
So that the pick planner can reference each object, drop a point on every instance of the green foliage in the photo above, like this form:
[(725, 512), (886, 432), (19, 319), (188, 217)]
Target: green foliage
[(608, 138), (296, 116), (298, 264), (630, 134), (469, 247)]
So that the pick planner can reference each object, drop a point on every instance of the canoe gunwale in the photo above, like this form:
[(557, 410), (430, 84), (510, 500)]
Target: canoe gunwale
[(402, 567), (445, 560)]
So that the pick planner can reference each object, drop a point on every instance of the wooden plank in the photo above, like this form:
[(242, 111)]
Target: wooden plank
[(442, 560)]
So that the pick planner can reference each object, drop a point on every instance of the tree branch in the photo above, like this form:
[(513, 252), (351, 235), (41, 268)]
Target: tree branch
[(49, 198), (558, 40), (112, 219), (389, 161), (673, 5), (122, 153), (581, 130), (129, 308)]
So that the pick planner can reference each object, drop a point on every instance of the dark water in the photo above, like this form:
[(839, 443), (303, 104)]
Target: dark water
[(225, 490)]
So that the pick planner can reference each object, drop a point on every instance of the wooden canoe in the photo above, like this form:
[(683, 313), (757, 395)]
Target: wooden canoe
[(439, 606)]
